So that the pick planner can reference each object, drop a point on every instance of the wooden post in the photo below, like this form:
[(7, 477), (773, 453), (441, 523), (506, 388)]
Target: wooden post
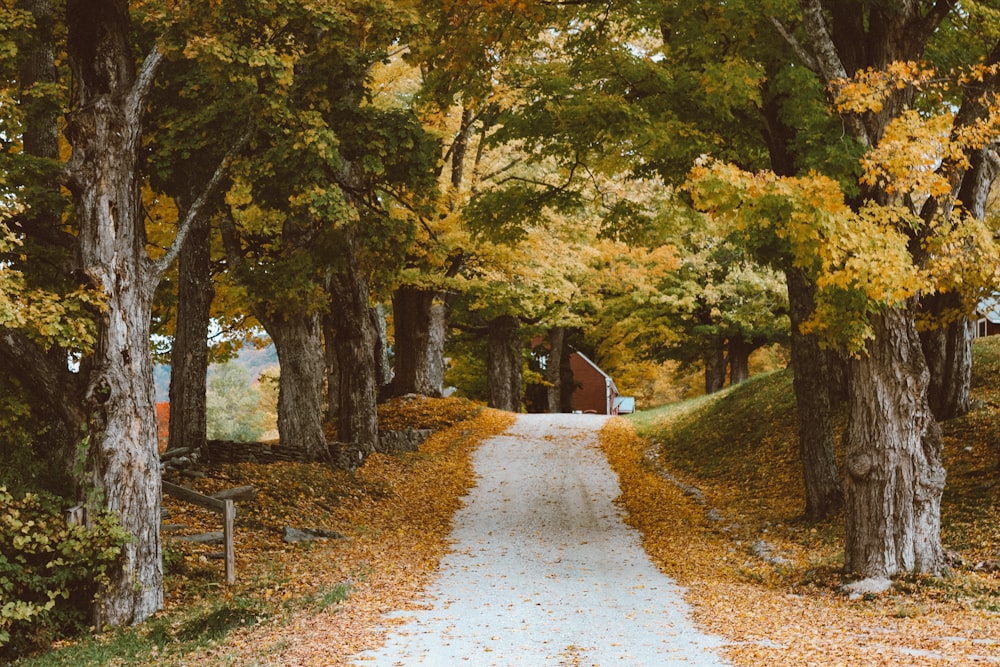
[(76, 516), (227, 508), (228, 514)]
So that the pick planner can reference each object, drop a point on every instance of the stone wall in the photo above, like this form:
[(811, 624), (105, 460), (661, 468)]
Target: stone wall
[(343, 454)]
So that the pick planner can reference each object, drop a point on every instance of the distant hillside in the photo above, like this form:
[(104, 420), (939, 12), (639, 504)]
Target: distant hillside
[(254, 360)]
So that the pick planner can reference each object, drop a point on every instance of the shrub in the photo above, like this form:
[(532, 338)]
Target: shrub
[(50, 573)]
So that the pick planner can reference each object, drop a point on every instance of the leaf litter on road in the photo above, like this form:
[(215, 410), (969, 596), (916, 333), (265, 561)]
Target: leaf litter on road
[(791, 612)]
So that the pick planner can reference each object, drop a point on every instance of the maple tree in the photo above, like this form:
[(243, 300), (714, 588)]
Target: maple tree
[(901, 204), (837, 153), (107, 405)]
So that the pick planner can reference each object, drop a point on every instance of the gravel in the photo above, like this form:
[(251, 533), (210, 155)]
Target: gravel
[(543, 571)]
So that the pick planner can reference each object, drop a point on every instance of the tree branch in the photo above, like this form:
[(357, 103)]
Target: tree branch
[(800, 51), (828, 62), (143, 83), (196, 208), (970, 185), (932, 19), (830, 66)]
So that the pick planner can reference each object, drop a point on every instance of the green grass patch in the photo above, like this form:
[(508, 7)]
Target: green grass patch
[(160, 640)]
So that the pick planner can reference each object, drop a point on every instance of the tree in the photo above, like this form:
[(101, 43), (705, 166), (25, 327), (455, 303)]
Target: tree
[(107, 401), (310, 228), (718, 305), (190, 352), (647, 87), (895, 474), (233, 405)]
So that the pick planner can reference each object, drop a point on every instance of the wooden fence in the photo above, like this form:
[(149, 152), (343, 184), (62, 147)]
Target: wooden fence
[(227, 508)]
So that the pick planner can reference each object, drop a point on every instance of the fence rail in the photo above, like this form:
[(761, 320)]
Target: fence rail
[(227, 508)]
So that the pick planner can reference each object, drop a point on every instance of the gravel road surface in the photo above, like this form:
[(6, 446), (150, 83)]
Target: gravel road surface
[(543, 571)]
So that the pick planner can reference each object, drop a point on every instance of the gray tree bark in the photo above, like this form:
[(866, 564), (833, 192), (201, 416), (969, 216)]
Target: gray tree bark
[(298, 340), (895, 476), (332, 411), (504, 373), (948, 351), (715, 368), (419, 317), (739, 359), (122, 461), (356, 342), (812, 384), (189, 356)]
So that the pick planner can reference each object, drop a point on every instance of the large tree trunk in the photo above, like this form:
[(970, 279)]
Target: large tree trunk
[(812, 385), (189, 356), (553, 369), (298, 340), (895, 477), (419, 317), (715, 368), (948, 347), (504, 373), (384, 372), (739, 359), (122, 464), (356, 341)]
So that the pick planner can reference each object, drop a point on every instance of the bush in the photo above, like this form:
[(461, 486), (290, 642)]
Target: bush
[(50, 573)]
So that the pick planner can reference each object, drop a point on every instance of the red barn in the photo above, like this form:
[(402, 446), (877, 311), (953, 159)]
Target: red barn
[(595, 390)]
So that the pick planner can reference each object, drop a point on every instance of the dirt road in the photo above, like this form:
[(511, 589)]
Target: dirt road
[(543, 571)]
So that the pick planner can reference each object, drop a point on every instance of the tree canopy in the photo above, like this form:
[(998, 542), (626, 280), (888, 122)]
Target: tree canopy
[(684, 181)]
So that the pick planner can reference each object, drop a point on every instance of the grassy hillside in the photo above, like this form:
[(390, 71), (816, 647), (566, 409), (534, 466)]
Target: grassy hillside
[(742, 446), (714, 485)]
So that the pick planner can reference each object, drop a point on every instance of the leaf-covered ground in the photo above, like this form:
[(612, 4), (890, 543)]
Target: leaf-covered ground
[(395, 513), (755, 571), (760, 575), (307, 603)]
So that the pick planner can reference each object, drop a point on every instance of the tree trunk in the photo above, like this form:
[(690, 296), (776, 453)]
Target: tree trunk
[(419, 317), (553, 369), (122, 464), (948, 351), (948, 347), (739, 360), (356, 340), (812, 386), (384, 372), (715, 368), (332, 369), (298, 340), (895, 477), (189, 356), (44, 243), (504, 373)]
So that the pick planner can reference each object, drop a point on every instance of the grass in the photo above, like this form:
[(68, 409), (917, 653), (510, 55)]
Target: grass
[(157, 640), (741, 444), (738, 447)]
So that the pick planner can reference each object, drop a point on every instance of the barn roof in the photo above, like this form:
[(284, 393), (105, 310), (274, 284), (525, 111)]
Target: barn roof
[(990, 308)]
